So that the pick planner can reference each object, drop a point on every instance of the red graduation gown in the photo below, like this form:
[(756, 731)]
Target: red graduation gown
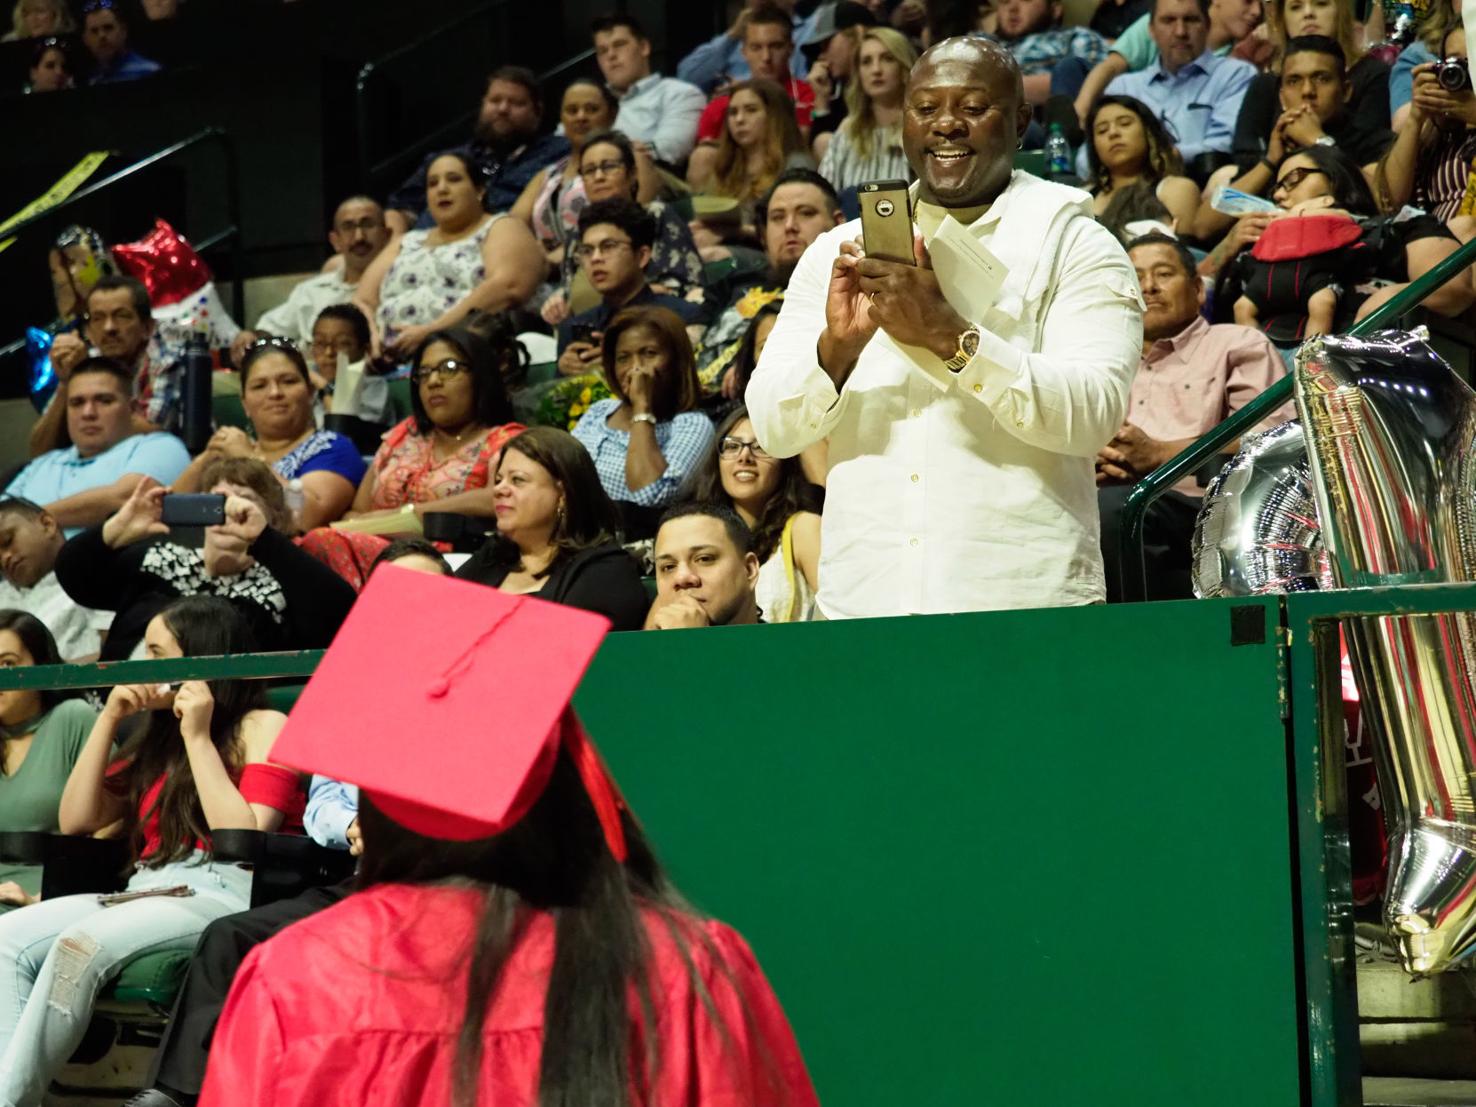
[(361, 1004)]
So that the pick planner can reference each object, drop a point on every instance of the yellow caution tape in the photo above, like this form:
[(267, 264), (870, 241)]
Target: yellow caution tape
[(58, 192)]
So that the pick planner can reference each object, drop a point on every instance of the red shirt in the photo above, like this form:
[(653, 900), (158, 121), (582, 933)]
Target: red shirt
[(362, 1003), (710, 126), (263, 783)]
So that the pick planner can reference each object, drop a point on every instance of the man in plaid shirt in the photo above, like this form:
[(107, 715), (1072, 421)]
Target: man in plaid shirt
[(1031, 30)]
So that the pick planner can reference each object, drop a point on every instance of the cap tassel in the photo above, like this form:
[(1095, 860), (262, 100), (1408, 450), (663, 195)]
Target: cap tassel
[(597, 783)]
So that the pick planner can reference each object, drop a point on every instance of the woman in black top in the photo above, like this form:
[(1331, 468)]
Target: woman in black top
[(556, 532), (291, 600)]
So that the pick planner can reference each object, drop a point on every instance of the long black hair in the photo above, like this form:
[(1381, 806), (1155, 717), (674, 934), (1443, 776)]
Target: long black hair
[(555, 859), (492, 350), (1161, 158), (204, 626), (39, 643), (795, 493)]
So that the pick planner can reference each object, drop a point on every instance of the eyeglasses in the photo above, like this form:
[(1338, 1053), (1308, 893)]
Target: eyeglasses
[(609, 246), (601, 168), (1297, 176), (731, 447), (448, 368), (367, 224)]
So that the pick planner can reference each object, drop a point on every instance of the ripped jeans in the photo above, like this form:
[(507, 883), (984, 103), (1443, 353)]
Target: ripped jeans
[(56, 955)]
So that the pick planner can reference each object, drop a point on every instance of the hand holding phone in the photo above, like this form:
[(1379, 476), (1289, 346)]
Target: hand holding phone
[(193, 509)]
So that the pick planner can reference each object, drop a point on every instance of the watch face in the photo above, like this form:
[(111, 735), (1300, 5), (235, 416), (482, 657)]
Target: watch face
[(969, 343)]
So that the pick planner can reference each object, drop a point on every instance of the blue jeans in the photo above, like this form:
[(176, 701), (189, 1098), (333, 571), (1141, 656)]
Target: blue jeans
[(56, 955)]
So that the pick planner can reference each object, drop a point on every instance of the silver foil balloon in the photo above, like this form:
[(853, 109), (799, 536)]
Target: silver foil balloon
[(1390, 430), (1257, 531)]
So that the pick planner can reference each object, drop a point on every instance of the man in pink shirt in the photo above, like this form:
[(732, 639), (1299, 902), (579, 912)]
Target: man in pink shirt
[(1193, 375)]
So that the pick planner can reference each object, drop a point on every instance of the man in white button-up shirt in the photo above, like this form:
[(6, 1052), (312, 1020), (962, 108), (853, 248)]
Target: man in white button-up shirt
[(960, 449)]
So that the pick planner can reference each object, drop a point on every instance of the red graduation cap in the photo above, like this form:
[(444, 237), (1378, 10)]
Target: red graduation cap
[(447, 701)]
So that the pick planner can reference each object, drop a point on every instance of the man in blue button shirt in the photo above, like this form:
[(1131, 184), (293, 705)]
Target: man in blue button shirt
[(1196, 94)]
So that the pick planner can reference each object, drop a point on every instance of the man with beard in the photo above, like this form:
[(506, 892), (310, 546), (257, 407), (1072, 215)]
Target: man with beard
[(358, 234), (1193, 375), (505, 146), (119, 325), (961, 438), (800, 207), (1032, 30), (706, 570)]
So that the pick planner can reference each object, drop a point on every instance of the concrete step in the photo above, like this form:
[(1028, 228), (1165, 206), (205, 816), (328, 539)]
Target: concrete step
[(1398, 1091)]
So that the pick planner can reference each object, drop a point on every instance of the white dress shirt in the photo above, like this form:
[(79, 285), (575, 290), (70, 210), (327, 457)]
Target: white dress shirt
[(294, 318), (969, 491)]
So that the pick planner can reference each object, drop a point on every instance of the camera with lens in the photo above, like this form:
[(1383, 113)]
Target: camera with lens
[(1453, 74)]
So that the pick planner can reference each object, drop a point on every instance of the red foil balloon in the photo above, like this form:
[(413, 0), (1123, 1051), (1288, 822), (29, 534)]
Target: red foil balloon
[(167, 264)]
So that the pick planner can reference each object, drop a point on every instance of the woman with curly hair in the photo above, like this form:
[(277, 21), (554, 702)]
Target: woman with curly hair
[(1130, 149), (781, 507)]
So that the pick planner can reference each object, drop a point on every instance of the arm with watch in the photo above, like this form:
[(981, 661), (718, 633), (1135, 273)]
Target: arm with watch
[(1066, 396)]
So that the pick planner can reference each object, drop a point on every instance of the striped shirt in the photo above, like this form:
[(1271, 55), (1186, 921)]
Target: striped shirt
[(1445, 174), (845, 167)]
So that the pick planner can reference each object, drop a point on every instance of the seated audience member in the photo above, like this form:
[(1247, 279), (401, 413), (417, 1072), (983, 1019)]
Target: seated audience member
[(119, 325), (131, 566), (30, 541), (1127, 147), (778, 504), (1193, 376), (38, 19), (759, 142), (1367, 76), (867, 146), (1032, 31), (551, 203), (768, 43), (557, 532), (193, 762), (358, 234), (833, 45), (613, 169), (649, 435), (278, 398), (1430, 163), (41, 736), (1362, 271), (51, 68), (412, 553), (706, 570), (105, 34), (83, 483), (1194, 93), (1230, 32), (340, 330), (615, 249), (504, 154), (428, 280), (800, 207), (522, 946), (1315, 91), (1441, 16), (440, 458), (660, 112), (720, 61)]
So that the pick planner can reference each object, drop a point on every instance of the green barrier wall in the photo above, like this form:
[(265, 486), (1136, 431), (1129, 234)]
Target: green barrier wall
[(1032, 857)]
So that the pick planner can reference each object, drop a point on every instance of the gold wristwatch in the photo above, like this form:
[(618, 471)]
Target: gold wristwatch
[(968, 346)]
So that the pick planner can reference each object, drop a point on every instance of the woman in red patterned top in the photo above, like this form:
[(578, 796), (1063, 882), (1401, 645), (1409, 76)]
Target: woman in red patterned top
[(193, 761), (437, 459)]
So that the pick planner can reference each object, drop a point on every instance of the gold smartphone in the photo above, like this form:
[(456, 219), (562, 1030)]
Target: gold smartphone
[(886, 221)]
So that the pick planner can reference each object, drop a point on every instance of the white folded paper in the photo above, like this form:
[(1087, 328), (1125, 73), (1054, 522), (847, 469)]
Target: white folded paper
[(969, 275)]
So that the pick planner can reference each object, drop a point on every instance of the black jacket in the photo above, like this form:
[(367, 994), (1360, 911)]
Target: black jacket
[(604, 579)]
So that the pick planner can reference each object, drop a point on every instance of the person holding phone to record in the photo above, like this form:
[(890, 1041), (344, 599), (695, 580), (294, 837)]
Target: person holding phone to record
[(963, 414)]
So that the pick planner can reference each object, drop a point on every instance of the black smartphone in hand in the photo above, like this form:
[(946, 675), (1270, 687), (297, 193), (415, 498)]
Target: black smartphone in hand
[(193, 509)]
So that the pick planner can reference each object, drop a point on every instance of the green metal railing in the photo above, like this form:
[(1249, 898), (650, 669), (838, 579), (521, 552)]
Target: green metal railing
[(1156, 483)]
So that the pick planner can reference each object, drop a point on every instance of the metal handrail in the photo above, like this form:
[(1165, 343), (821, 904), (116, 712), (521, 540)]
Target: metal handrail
[(233, 206), (1134, 582)]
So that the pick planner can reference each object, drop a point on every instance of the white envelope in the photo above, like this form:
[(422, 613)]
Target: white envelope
[(969, 275)]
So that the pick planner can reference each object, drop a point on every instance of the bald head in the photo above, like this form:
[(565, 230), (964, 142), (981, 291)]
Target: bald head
[(965, 115)]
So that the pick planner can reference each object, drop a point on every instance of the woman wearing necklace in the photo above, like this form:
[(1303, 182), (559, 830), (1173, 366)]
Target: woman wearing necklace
[(439, 459), (41, 736), (426, 281), (277, 395)]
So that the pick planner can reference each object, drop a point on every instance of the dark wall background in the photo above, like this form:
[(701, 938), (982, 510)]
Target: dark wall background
[(282, 81)]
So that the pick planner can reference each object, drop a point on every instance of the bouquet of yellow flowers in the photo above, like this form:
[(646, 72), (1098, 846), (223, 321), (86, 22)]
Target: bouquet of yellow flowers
[(567, 400)]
